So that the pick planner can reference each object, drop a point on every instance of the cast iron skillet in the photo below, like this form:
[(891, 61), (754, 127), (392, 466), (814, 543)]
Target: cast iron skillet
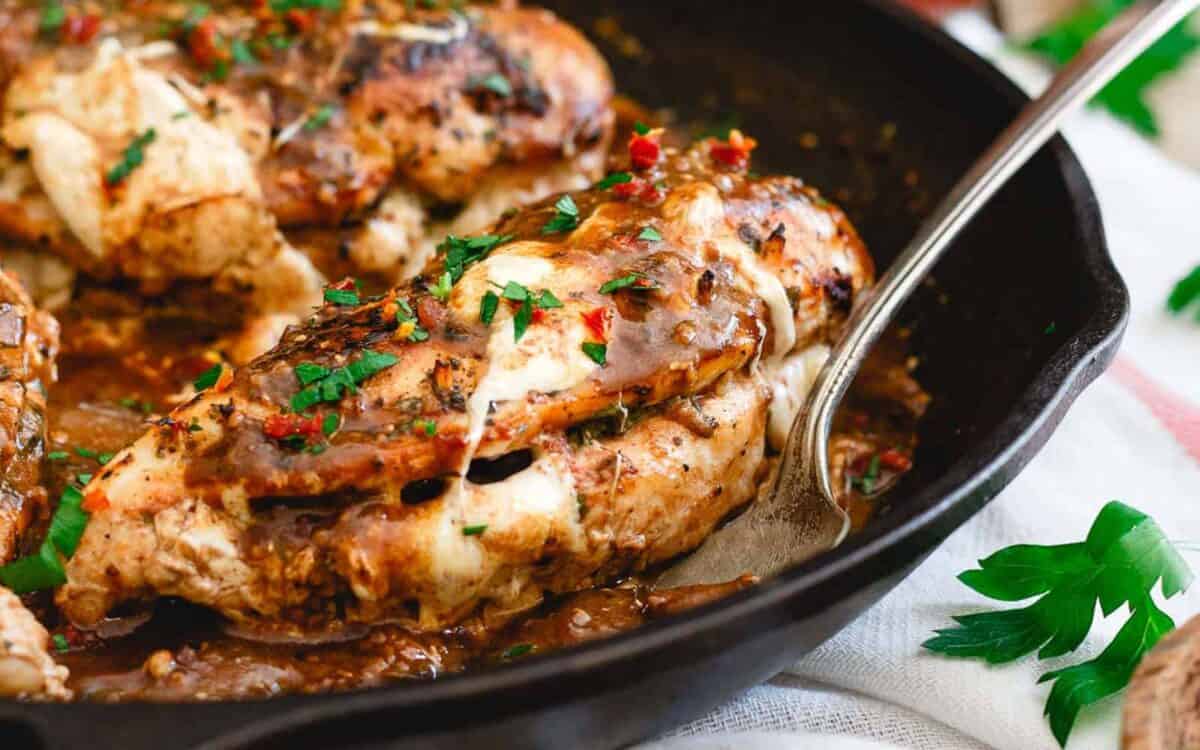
[(1027, 310)]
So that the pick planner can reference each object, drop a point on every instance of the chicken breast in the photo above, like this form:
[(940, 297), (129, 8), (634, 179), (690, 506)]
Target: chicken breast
[(28, 345), (165, 159), (26, 668), (332, 478)]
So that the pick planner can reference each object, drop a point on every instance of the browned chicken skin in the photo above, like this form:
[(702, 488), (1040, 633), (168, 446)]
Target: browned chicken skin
[(736, 272)]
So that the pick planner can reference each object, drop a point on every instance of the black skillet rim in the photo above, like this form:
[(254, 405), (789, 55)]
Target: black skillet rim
[(959, 493)]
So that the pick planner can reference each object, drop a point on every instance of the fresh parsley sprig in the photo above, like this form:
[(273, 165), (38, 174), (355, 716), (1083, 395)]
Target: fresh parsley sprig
[(1124, 556), (1125, 95), (1186, 293), (566, 216)]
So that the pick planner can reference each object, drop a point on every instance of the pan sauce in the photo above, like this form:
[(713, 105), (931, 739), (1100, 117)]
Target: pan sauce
[(186, 653)]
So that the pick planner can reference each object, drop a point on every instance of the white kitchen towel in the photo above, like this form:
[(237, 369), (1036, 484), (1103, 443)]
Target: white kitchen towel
[(1134, 436)]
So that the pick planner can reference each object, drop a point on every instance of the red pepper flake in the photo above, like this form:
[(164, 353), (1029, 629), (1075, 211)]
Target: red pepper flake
[(638, 188), (895, 460), (94, 501), (644, 150), (79, 29), (347, 284), (202, 43), (224, 380), (538, 315), (597, 322), (303, 21), (734, 152), (279, 426)]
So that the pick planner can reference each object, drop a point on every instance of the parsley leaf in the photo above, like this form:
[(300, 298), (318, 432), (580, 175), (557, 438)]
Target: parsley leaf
[(461, 252), (475, 530), (336, 383), (634, 281), (1124, 556), (566, 216), (494, 82), (208, 378), (548, 301), (597, 352), (487, 308), (1185, 293), (1124, 96), (641, 128), (341, 296), (441, 290), (53, 17), (650, 234), (522, 319), (616, 178), (131, 159), (320, 118)]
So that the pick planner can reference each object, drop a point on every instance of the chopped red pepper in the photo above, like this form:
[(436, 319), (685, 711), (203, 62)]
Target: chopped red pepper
[(94, 501), (79, 29), (346, 285), (734, 152), (303, 21), (224, 380), (644, 190), (597, 322), (895, 460), (538, 315), (202, 43), (644, 150), (279, 426)]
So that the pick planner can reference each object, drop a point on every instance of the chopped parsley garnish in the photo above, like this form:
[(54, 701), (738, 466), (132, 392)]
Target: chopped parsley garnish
[(650, 234), (181, 114), (334, 384), (241, 52), (193, 426), (132, 158), (104, 458), (1185, 293), (406, 317), (60, 643), (461, 252), (283, 6), (197, 13), (208, 378), (83, 479), (597, 352), (867, 481), (441, 290), (1125, 96), (341, 296), (616, 178), (1121, 562), (512, 652), (475, 530), (308, 372), (320, 118), (330, 424), (487, 307), (530, 301), (428, 426), (85, 452), (1050, 328), (53, 17), (566, 216), (57, 456), (133, 404), (522, 319), (635, 281), (641, 128), (494, 82)]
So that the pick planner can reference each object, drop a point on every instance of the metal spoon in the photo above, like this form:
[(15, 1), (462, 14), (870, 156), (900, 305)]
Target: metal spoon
[(800, 517)]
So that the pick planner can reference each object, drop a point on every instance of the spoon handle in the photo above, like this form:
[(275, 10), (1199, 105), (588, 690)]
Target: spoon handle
[(1099, 62)]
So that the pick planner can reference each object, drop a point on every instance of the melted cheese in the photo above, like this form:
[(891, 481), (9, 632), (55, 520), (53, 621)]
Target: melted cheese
[(698, 213), (791, 379)]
